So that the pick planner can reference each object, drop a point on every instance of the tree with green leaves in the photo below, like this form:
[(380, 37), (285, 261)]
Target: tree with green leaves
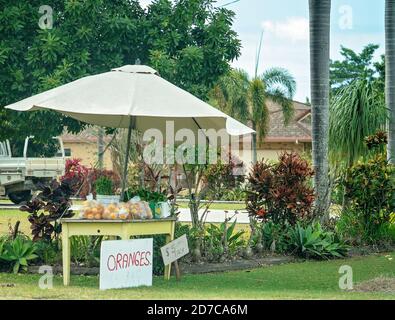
[(191, 43), (247, 99), (354, 66)]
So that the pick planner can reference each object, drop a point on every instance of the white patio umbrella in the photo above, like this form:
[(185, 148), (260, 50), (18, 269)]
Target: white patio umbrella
[(133, 97)]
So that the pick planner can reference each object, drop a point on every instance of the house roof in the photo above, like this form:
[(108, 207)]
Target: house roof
[(298, 130), (89, 135)]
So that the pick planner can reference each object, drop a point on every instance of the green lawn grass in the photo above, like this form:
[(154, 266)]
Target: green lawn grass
[(308, 280), (11, 217)]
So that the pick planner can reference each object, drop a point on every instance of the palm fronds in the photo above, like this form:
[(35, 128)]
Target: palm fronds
[(278, 96), (245, 99), (356, 112), (280, 78), (259, 110)]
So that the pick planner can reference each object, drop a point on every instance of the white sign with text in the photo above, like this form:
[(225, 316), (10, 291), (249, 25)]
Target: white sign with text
[(126, 263), (175, 250)]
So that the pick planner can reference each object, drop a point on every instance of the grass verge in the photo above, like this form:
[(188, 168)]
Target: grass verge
[(308, 280)]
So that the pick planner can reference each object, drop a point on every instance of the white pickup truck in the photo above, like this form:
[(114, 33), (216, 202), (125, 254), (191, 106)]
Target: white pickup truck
[(20, 175)]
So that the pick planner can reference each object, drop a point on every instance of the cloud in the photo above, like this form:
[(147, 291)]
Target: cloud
[(294, 28), (145, 3), (277, 52)]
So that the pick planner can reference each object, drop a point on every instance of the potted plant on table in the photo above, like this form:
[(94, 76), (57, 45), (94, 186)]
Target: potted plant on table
[(155, 200), (105, 191)]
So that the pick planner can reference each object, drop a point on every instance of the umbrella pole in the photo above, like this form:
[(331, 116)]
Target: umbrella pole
[(125, 165)]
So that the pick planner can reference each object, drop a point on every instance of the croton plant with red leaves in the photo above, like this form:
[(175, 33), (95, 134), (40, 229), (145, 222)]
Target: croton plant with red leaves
[(280, 192), (87, 177)]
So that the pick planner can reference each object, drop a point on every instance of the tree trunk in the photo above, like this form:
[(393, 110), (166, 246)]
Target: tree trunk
[(390, 74), (253, 144), (319, 69), (100, 148)]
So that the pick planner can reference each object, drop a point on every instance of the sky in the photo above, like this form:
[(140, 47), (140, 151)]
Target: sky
[(285, 25)]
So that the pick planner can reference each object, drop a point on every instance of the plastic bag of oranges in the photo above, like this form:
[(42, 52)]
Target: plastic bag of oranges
[(139, 210), (92, 210), (111, 212)]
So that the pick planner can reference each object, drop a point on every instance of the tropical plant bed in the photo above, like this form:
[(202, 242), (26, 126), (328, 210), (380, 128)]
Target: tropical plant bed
[(356, 251), (228, 265), (235, 265), (188, 268)]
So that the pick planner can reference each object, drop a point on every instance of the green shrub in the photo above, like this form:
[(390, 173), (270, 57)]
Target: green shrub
[(224, 180), (236, 194), (17, 253), (275, 237), (86, 250), (222, 241), (146, 195), (313, 241), (48, 252), (104, 186), (370, 189)]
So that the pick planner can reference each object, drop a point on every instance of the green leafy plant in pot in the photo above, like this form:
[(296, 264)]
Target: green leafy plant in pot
[(105, 191)]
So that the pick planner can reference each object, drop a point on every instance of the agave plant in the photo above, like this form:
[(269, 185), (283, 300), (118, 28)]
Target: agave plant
[(313, 241), (18, 252)]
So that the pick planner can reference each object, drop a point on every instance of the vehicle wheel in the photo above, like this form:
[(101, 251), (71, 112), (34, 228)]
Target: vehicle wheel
[(20, 196)]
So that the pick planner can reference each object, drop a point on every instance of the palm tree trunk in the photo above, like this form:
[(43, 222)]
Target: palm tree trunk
[(390, 74), (253, 144), (319, 68)]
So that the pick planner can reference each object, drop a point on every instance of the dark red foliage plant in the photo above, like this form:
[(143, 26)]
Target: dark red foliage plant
[(86, 177), (280, 192), (76, 171), (94, 174), (50, 204)]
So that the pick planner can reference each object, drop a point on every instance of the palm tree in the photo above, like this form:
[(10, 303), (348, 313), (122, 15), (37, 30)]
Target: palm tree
[(356, 111), (320, 11), (390, 73), (246, 99)]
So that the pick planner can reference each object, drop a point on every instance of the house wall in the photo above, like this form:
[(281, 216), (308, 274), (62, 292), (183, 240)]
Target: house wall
[(87, 152), (272, 150)]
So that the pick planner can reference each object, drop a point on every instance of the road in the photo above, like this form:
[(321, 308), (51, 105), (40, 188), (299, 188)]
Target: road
[(214, 216)]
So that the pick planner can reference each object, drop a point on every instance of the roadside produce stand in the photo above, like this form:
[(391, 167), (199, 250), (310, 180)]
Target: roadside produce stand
[(122, 228), (137, 98)]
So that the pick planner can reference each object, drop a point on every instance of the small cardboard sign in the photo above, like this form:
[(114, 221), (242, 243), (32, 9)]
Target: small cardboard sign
[(126, 263), (175, 250)]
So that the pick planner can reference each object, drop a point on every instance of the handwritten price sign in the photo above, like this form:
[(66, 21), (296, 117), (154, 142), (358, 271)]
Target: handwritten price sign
[(175, 250)]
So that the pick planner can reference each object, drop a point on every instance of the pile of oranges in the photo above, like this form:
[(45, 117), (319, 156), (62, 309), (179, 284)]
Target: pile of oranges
[(93, 210)]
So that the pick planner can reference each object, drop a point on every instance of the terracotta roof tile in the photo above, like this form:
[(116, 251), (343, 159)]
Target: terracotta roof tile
[(89, 135)]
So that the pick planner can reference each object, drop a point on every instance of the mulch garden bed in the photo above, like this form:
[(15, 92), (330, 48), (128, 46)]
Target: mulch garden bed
[(197, 268)]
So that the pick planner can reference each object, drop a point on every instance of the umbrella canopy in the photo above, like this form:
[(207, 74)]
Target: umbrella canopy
[(132, 96), (109, 99)]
